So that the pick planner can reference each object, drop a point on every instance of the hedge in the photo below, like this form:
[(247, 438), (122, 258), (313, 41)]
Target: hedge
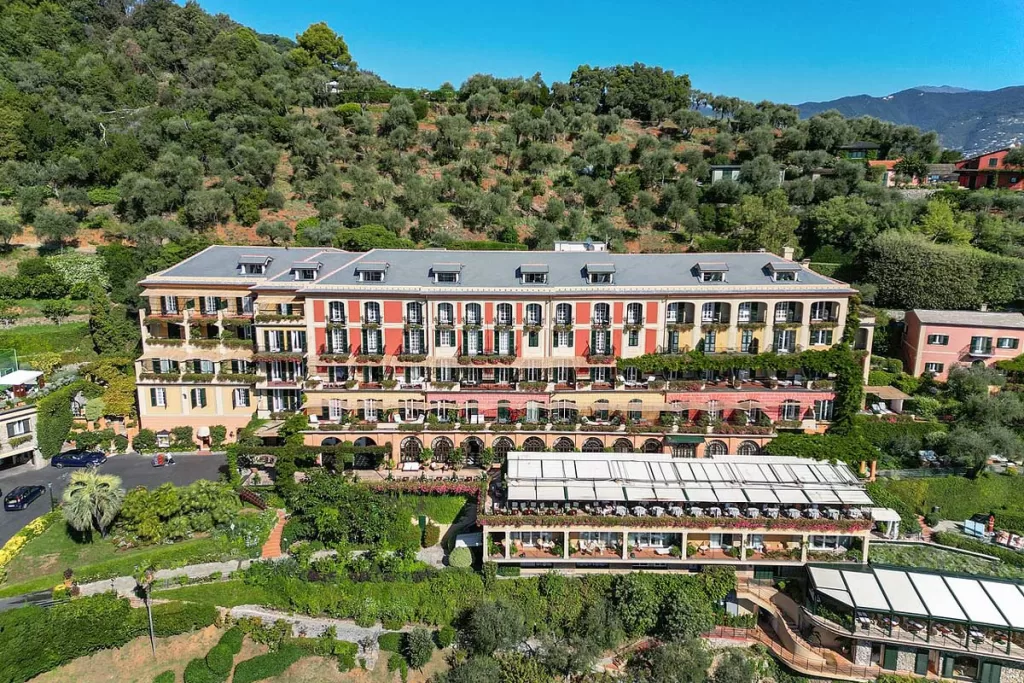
[(220, 659), (269, 665), (196, 671), (54, 416), (880, 431), (36, 640), (956, 540), (391, 642), (232, 639), (165, 677), (431, 535), (852, 449)]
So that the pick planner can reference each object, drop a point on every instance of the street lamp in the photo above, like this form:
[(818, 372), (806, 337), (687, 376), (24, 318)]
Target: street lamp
[(144, 588)]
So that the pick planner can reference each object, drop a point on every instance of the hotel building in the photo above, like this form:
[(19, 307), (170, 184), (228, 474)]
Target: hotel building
[(472, 350)]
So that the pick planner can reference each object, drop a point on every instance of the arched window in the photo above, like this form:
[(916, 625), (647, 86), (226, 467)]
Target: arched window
[(622, 446), (748, 448), (652, 446), (331, 441), (564, 445), (684, 450), (414, 313), (635, 410), (473, 316), (748, 312), (371, 312), (672, 312), (593, 445), (505, 314), (787, 312), (717, 448), (442, 447), (563, 314), (501, 446), (411, 449), (534, 444), (364, 441), (634, 314), (714, 313), (602, 314), (445, 314), (790, 410), (472, 447), (601, 409), (504, 412), (534, 314)]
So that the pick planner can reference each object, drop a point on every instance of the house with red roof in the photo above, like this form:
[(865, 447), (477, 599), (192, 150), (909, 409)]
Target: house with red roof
[(990, 170)]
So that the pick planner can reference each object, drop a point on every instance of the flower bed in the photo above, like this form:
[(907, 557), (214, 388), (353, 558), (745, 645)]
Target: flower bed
[(486, 359), (270, 356), (334, 357), (31, 530), (428, 488)]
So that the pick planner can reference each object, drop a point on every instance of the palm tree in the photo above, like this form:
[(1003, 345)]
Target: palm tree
[(92, 500)]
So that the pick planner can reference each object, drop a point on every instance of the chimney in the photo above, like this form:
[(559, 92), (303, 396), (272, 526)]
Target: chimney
[(874, 470), (787, 253)]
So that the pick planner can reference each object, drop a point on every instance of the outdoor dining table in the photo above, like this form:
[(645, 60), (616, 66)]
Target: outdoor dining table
[(621, 510), (832, 513), (697, 512), (813, 514), (753, 513), (657, 511), (675, 511), (715, 512), (640, 511), (732, 511), (793, 513), (772, 513), (855, 513)]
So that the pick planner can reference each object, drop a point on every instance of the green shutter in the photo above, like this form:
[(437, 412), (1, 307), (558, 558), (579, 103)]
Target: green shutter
[(921, 663), (991, 672), (947, 666), (889, 660), (152, 397)]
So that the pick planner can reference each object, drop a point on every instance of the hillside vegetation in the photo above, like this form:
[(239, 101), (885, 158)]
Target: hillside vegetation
[(164, 125)]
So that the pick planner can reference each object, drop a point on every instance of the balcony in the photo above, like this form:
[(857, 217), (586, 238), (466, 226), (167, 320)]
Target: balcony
[(272, 317), (265, 356), (978, 350), (413, 353)]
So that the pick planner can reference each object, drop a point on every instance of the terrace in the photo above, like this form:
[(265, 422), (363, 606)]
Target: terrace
[(950, 612)]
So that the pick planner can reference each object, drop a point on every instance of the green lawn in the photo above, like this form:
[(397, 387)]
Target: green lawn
[(42, 562), (230, 593), (441, 509), (31, 339), (923, 557)]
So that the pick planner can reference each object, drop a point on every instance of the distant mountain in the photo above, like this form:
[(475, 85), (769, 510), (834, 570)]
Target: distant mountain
[(972, 121)]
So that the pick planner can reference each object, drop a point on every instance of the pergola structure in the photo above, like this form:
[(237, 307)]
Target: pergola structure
[(940, 611)]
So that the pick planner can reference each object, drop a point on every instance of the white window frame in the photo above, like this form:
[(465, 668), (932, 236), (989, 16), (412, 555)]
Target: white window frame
[(371, 312), (210, 305), (789, 410), (1007, 343), (473, 345), (714, 276), (445, 314), (563, 339), (414, 313), (672, 312), (563, 314), (633, 339), (534, 314), (372, 342), (18, 428), (240, 397), (246, 304), (634, 313), (446, 278), (169, 305), (505, 314), (935, 368), (371, 276), (745, 312), (821, 310), (159, 397), (334, 410), (336, 311), (337, 339), (818, 337), (746, 339), (602, 314), (477, 318), (535, 278), (446, 338)]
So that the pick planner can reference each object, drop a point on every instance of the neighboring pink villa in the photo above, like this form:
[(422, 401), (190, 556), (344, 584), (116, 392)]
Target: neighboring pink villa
[(935, 341)]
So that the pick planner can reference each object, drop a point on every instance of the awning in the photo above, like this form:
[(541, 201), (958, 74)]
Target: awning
[(884, 515), (19, 377), (886, 393), (674, 439)]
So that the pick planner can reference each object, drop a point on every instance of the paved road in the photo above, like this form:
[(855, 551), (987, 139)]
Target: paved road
[(134, 470)]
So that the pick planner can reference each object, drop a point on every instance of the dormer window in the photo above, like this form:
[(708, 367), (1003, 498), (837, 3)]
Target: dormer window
[(712, 272), (784, 271), (533, 274), (446, 273), (306, 270), (372, 271), (253, 264), (600, 273)]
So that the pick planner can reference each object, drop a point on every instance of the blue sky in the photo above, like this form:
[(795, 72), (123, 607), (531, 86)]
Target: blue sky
[(789, 51)]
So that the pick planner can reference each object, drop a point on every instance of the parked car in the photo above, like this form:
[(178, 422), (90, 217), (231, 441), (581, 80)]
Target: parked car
[(22, 496), (78, 458)]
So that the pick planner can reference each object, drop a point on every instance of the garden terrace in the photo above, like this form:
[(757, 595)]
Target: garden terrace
[(936, 610)]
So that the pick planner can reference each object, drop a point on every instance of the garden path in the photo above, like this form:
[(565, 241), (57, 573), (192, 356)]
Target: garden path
[(272, 548)]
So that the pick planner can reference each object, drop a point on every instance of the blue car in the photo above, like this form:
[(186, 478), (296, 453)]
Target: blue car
[(21, 497), (78, 458)]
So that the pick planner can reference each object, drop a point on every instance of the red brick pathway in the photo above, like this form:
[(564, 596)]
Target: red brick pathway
[(272, 548)]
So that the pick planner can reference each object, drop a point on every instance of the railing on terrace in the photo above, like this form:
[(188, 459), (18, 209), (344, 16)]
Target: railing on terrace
[(802, 664)]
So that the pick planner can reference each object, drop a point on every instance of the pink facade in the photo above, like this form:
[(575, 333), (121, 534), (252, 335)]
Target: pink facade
[(933, 344)]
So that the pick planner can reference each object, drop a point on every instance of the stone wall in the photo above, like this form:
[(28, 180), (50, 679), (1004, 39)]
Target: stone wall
[(906, 660), (125, 585), (862, 653), (1011, 675)]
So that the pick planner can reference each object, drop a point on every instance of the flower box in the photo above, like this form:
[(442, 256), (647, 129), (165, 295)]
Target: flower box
[(369, 358), (197, 377), (411, 357), (600, 359), (334, 357), (278, 318)]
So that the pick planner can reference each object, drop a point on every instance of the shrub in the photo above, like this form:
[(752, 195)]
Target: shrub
[(419, 648), (196, 671), (220, 659), (103, 196), (266, 666), (145, 441), (232, 640), (955, 540), (431, 535), (461, 558), (446, 637), (391, 642), (217, 435), (172, 618), (181, 439), (165, 677)]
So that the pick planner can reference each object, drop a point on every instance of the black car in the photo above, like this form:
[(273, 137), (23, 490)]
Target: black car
[(22, 496), (78, 458)]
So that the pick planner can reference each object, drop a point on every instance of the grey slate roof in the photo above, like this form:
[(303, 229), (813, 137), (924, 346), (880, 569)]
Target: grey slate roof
[(970, 318), (222, 261), (489, 269)]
